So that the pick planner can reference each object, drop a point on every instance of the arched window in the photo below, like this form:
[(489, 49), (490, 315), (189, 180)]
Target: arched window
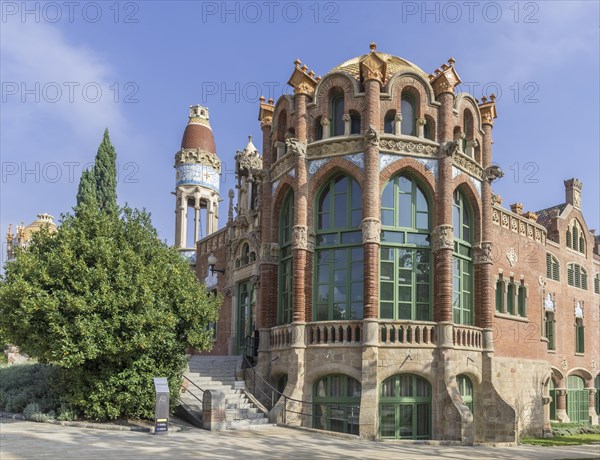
[(510, 297), (405, 254), (354, 122), (522, 300), (286, 219), (597, 386), (245, 317), (465, 387), (339, 270), (337, 113), (577, 276), (462, 271), (500, 294), (468, 131), (549, 321), (318, 129), (428, 129), (552, 267), (336, 404), (579, 336), (575, 238), (405, 408), (388, 122), (577, 400), (409, 117), (245, 254)]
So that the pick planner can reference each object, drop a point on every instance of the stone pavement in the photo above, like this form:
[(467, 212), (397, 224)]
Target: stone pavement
[(28, 440)]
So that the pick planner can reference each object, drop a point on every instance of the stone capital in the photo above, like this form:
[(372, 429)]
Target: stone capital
[(371, 136), (483, 253), (371, 230), (296, 147), (442, 238), (302, 238)]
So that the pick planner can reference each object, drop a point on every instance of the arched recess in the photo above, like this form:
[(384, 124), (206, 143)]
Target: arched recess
[(336, 404)]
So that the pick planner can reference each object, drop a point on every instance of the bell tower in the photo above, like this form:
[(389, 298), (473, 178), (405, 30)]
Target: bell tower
[(197, 174)]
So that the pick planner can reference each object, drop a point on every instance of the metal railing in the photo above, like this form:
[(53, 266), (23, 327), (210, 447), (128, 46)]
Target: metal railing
[(344, 414), (192, 394)]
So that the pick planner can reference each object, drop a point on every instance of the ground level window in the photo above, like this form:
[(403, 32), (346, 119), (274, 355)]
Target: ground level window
[(405, 408), (577, 400), (465, 386), (336, 404)]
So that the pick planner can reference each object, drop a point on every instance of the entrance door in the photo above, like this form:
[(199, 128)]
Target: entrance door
[(245, 314), (577, 400)]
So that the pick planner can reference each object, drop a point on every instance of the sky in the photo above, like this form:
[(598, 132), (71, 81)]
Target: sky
[(68, 70)]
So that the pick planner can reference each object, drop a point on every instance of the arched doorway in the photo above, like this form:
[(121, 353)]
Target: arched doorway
[(405, 408), (336, 404), (577, 400)]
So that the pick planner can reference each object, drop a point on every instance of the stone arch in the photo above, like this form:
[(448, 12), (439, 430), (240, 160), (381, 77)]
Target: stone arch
[(285, 186), (414, 168), (584, 374), (558, 377)]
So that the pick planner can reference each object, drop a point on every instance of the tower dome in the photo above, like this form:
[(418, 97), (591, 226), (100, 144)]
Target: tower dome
[(198, 133)]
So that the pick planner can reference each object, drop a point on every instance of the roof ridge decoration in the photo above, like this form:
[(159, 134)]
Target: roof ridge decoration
[(302, 80), (265, 112), (373, 66), (488, 109), (445, 79)]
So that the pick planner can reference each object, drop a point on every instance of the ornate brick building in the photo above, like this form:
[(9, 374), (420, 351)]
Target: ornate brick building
[(375, 278)]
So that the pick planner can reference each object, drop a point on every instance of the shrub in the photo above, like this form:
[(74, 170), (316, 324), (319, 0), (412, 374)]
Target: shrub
[(33, 412), (25, 384)]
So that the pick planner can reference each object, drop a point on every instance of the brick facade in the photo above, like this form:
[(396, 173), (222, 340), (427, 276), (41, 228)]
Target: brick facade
[(505, 354)]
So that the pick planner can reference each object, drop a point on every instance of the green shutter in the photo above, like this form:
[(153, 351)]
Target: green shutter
[(550, 334), (499, 296), (521, 300), (548, 266), (579, 337), (583, 279), (555, 271), (570, 275)]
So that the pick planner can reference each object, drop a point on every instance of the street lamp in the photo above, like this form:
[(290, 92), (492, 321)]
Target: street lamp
[(212, 261)]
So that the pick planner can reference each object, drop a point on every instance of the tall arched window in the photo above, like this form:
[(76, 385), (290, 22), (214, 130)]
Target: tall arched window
[(468, 131), (286, 222), (500, 294), (409, 120), (465, 387), (577, 400), (462, 271), (522, 300), (354, 122), (405, 408), (336, 404), (576, 276), (318, 129), (575, 238), (337, 113), (552, 267), (405, 274), (339, 270), (388, 122)]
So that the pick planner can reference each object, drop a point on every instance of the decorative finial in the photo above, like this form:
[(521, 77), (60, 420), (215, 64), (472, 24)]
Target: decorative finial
[(373, 46), (270, 101), (484, 99), (311, 74), (250, 138), (304, 68), (262, 99), (451, 61), (318, 78), (492, 97), (297, 62)]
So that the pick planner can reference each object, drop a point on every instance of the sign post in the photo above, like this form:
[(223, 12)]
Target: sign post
[(161, 411)]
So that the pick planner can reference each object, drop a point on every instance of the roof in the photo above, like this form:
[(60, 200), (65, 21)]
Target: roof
[(198, 136), (545, 215), (395, 64)]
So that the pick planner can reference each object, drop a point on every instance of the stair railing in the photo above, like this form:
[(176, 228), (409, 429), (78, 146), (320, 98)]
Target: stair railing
[(347, 415), (192, 393)]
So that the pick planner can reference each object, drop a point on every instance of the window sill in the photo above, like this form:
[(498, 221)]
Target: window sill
[(552, 352), (521, 319), (580, 354)]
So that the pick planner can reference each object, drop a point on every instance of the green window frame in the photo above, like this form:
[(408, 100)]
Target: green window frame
[(577, 276), (405, 287), (286, 262), (246, 302), (579, 336), (597, 386), (552, 267), (465, 387), (337, 112), (500, 295), (597, 283), (462, 267), (405, 407), (550, 329), (522, 300), (577, 400), (408, 109), (552, 394), (510, 297), (336, 404), (388, 122), (339, 256)]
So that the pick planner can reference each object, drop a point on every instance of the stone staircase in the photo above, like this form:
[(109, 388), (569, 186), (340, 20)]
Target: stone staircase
[(218, 373)]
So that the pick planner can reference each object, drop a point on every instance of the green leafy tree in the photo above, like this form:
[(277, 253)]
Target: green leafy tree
[(86, 193), (110, 304), (105, 173)]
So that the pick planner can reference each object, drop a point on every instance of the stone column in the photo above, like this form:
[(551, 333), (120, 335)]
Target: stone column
[(373, 75), (485, 313), (443, 238), (213, 410), (561, 405), (592, 406)]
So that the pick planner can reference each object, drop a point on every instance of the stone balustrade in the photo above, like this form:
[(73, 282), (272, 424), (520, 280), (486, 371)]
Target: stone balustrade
[(280, 337), (334, 332), (408, 334), (467, 337)]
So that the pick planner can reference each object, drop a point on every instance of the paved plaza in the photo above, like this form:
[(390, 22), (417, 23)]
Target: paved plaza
[(28, 440)]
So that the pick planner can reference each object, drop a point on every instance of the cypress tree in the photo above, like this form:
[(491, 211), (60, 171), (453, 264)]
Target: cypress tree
[(86, 193), (105, 174)]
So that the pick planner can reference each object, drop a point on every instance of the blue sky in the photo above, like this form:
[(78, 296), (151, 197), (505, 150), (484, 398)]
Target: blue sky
[(70, 70)]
